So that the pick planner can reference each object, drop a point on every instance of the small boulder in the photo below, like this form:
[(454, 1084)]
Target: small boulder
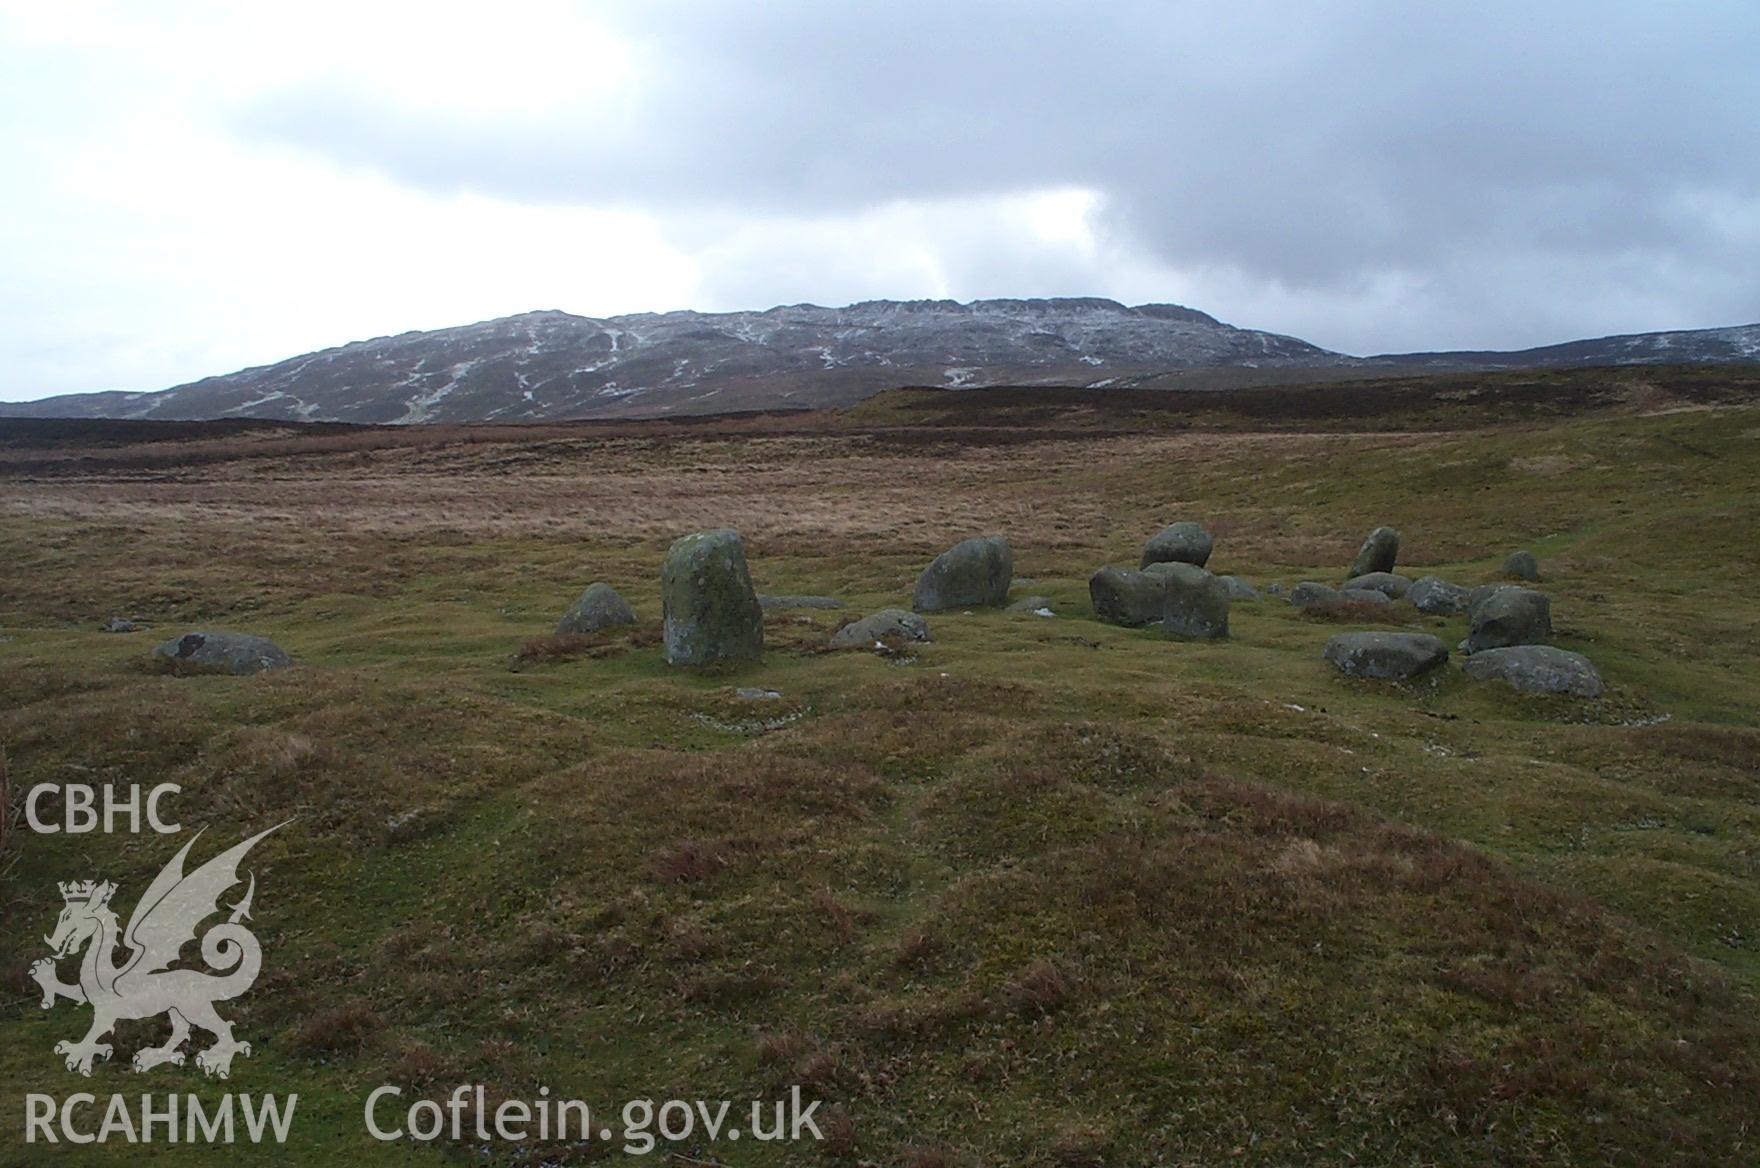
[(1308, 593), (1389, 584), (1477, 596), (599, 607), (1537, 669), (1239, 589), (1522, 566), (769, 602), (1437, 596), (1275, 588), (888, 622), (1182, 543), (1378, 553), (1029, 604), (1195, 603), (1509, 616), (972, 573), (710, 612), (1123, 597), (119, 624), (1385, 656), (206, 651), (1364, 596)]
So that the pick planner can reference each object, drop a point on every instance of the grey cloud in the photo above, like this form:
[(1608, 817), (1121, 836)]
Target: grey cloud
[(1304, 145)]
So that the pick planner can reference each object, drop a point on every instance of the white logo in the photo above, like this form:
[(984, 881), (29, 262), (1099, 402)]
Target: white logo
[(164, 920)]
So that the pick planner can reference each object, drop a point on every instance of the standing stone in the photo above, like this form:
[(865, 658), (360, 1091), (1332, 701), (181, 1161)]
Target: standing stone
[(1389, 584), (1437, 596), (1196, 603), (710, 611), (1385, 656), (1537, 669), (973, 573), (208, 651), (1378, 552), (1183, 543), (1509, 616), (1123, 597), (1522, 566), (600, 607)]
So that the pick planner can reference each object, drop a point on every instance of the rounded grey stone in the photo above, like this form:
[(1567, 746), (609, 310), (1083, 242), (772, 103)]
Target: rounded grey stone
[(1364, 596), (1437, 596), (888, 622), (709, 610), (973, 573), (599, 607), (1509, 616), (1378, 553), (217, 651), (1537, 669), (1123, 597), (1389, 584), (1182, 543), (1309, 593), (1522, 566), (1029, 604), (1385, 656), (1195, 603)]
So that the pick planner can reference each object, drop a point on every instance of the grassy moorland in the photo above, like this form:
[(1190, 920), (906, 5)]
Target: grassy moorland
[(1046, 891)]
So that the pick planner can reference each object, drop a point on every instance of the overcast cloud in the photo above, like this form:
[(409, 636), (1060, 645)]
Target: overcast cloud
[(193, 187)]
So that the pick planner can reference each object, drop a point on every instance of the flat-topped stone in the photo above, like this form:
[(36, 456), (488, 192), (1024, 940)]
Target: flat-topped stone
[(1539, 669), (1385, 656)]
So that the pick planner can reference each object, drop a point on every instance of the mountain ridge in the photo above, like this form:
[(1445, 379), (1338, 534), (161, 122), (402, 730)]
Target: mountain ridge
[(548, 364)]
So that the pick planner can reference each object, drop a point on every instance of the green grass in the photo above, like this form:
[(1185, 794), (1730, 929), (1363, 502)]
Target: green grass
[(1050, 892)]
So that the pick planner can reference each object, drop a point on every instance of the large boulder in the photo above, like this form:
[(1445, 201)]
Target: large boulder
[(1378, 553), (1123, 597), (888, 623), (1389, 584), (1385, 656), (1509, 616), (1477, 596), (1537, 669), (1195, 603), (599, 607), (1522, 566), (214, 651), (1178, 543), (1307, 594), (709, 610), (1437, 596), (972, 573)]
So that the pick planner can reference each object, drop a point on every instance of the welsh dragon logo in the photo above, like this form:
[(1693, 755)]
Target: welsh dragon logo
[(144, 985)]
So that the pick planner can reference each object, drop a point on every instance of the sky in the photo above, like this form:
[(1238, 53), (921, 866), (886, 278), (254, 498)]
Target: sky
[(189, 188)]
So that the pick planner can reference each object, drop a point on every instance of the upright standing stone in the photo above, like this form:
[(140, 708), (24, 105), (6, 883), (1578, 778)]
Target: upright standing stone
[(710, 611), (1182, 543), (1196, 604), (1378, 552), (972, 573)]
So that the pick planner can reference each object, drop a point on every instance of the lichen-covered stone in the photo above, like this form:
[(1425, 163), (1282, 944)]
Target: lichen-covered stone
[(971, 574), (888, 622), (1309, 593), (1537, 669), (1378, 553), (214, 651), (1195, 604), (599, 607), (1436, 596), (1181, 543), (1385, 656), (1239, 589), (1389, 584), (1123, 597), (709, 610), (1509, 616), (1522, 566)]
